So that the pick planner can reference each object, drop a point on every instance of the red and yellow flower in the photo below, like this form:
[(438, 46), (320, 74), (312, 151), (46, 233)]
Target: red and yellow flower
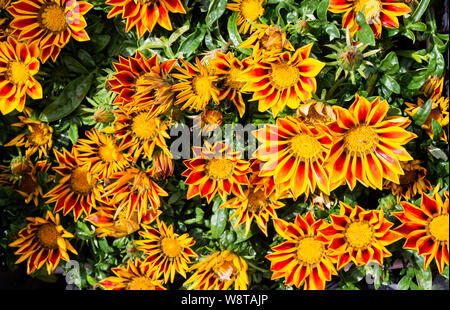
[(135, 276), (378, 13), (77, 190), (281, 80), (249, 12), (267, 40), (426, 228), (43, 241), (304, 257), (359, 236), (368, 145), (166, 252), (215, 169), (19, 63), (219, 271), (144, 14), (49, 23)]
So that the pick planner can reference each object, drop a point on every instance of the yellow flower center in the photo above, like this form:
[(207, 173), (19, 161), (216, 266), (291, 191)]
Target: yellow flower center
[(53, 18), (47, 236), (170, 247), (140, 284), (251, 9), (359, 234), (284, 75), (219, 168), (17, 72), (256, 201), (309, 250), (144, 127), (109, 153), (438, 227), (81, 181), (305, 147), (234, 79), (202, 86), (39, 134), (272, 40), (372, 9), (360, 140), (225, 270), (140, 183)]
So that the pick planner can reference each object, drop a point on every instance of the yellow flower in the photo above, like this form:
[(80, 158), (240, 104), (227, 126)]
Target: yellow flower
[(249, 12)]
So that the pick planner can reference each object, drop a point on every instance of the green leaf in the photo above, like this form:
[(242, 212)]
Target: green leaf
[(439, 61), (103, 243), (74, 65), (177, 33), (410, 35), (73, 132), (100, 41), (404, 283), (68, 100), (86, 58), (91, 280), (233, 32), (333, 31), (417, 80), (424, 278), (216, 10), (390, 83), (390, 63), (422, 113), (419, 11), (322, 10), (193, 41), (365, 34), (219, 222), (419, 26), (437, 130)]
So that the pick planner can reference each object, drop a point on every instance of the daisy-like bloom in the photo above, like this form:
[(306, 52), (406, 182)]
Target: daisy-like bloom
[(215, 169), (209, 121), (283, 79), (141, 133), (294, 154), (229, 69), (304, 257), (105, 157), (316, 112), (267, 40), (144, 14), (135, 276), (249, 12), (78, 189), (132, 190), (134, 75), (197, 86), (426, 228), (412, 183), (36, 138), (359, 236), (219, 271), (19, 63), (255, 205), (367, 145), (378, 13), (109, 223), (166, 252), (49, 23), (439, 112), (4, 4), (433, 87), (43, 241)]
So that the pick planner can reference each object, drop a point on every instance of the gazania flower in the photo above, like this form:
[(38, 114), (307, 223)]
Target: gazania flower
[(267, 40), (230, 70), (49, 23), (36, 138), (77, 190), (134, 74), (163, 165), (283, 79), (4, 4), (196, 88), (43, 241), (167, 252), (359, 236), (19, 64), (367, 144), (413, 182), (132, 190), (144, 14), (209, 121), (135, 276), (316, 112), (304, 257), (110, 223), (141, 133), (426, 228), (249, 11), (253, 206), (439, 112), (294, 154), (219, 271), (433, 87), (105, 157), (215, 169), (378, 13), (5, 30)]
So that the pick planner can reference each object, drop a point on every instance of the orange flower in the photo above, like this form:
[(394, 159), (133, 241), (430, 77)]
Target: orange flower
[(426, 228), (144, 14), (267, 40), (304, 258), (19, 64), (360, 236), (248, 12), (49, 23), (215, 169)]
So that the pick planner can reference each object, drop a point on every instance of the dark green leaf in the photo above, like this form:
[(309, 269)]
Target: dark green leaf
[(86, 58), (410, 35), (365, 34), (219, 222), (73, 132), (216, 10), (419, 26), (100, 41), (333, 31), (390, 63), (390, 83), (233, 32), (322, 10), (74, 65), (422, 113), (404, 282), (193, 41), (437, 130), (419, 11)]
